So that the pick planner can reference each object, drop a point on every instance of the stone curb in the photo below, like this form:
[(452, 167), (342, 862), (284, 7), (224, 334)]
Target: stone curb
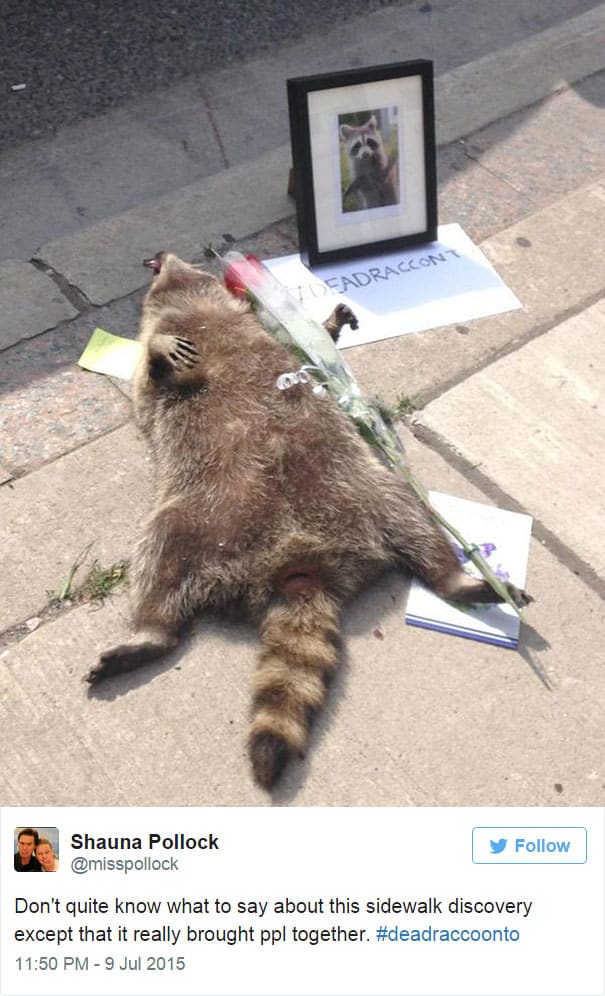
[(497, 85), (104, 261)]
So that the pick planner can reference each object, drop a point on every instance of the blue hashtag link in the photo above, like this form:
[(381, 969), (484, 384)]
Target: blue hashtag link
[(381, 934)]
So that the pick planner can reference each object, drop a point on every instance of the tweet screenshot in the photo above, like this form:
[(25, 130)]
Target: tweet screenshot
[(345, 902)]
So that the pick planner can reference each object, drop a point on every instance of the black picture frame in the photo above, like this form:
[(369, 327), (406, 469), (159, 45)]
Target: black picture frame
[(363, 150)]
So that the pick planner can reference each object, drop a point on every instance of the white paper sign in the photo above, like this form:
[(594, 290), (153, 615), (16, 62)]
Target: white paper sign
[(442, 283)]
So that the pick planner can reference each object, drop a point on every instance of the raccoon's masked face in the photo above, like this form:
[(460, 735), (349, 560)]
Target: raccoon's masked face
[(362, 141)]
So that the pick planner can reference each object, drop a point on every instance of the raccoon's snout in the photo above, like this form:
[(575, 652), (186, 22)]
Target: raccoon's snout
[(366, 148), (155, 262)]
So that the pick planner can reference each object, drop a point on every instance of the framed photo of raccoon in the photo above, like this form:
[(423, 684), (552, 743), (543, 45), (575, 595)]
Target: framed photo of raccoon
[(363, 150)]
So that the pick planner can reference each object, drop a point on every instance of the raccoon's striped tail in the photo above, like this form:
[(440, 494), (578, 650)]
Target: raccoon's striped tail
[(300, 650)]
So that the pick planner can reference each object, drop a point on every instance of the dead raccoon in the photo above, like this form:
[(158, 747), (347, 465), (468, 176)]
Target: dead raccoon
[(373, 174), (266, 499)]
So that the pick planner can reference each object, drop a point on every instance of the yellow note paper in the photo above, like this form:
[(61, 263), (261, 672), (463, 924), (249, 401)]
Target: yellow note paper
[(110, 354)]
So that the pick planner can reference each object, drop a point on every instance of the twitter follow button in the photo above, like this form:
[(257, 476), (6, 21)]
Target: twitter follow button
[(530, 845)]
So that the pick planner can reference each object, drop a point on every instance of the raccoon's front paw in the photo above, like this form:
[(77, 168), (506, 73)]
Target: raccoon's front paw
[(346, 316), (170, 353), (342, 315), (181, 352), (108, 665)]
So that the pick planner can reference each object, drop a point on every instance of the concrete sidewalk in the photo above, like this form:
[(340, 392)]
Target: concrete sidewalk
[(510, 410)]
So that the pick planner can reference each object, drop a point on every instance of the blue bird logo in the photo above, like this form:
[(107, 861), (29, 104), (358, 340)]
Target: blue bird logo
[(498, 846)]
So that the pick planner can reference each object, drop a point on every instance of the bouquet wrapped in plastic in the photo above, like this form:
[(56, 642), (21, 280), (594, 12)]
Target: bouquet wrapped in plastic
[(284, 318)]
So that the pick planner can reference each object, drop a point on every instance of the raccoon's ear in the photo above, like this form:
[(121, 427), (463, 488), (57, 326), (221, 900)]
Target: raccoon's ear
[(346, 131), (371, 123)]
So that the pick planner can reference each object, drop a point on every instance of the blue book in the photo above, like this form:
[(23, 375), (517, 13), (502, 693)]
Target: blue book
[(503, 538)]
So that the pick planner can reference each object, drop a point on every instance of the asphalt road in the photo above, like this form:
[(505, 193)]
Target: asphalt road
[(80, 57), (72, 59)]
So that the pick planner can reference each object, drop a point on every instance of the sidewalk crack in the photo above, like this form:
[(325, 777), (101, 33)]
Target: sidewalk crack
[(74, 295), (497, 176), (214, 127)]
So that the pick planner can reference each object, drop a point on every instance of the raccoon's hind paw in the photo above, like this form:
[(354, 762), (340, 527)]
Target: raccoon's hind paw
[(476, 591), (269, 755), (519, 596), (181, 353)]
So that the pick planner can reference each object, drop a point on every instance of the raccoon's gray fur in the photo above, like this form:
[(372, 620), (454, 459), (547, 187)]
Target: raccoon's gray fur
[(266, 499)]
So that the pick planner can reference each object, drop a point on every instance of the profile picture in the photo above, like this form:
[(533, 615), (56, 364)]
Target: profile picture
[(369, 159), (36, 849)]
